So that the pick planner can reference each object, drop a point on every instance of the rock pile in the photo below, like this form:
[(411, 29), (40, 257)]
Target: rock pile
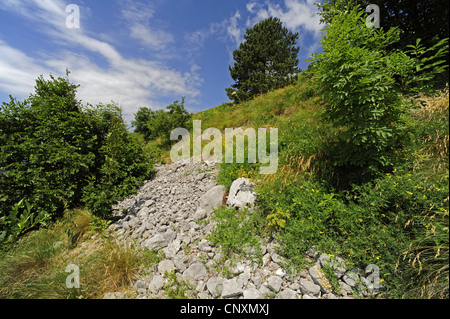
[(172, 214)]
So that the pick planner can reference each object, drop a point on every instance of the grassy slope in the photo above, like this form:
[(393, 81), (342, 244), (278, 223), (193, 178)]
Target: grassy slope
[(297, 208), (272, 108), (399, 221)]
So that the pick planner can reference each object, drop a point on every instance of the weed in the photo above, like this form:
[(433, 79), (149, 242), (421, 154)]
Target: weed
[(236, 230), (175, 288)]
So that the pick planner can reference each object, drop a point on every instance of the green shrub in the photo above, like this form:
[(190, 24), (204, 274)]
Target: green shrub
[(125, 165), (359, 80), (159, 124), (47, 148), (57, 154), (21, 218), (306, 215)]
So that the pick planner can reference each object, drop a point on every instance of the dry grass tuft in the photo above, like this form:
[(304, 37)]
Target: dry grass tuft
[(430, 257), (35, 267), (436, 108)]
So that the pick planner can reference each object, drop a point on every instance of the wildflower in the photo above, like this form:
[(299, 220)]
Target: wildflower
[(409, 193)]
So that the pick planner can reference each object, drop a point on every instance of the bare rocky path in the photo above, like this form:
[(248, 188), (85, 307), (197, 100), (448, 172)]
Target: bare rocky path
[(171, 215)]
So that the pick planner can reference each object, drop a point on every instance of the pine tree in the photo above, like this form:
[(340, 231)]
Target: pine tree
[(266, 60)]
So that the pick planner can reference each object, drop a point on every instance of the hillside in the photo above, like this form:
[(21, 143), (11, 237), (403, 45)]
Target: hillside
[(337, 188), (393, 225), (388, 219)]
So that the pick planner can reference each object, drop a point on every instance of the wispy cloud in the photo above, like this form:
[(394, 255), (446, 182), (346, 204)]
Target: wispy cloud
[(298, 14), (223, 31), (151, 38), (142, 26), (233, 30), (17, 71), (131, 82), (295, 14)]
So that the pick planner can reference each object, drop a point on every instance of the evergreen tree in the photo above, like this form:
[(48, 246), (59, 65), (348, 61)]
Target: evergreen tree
[(266, 60)]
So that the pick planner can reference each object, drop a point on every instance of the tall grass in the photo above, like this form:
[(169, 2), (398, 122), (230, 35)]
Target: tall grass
[(428, 256), (35, 267)]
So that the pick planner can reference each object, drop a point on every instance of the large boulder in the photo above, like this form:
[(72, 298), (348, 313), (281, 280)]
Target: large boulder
[(209, 201), (156, 242), (232, 288), (241, 194)]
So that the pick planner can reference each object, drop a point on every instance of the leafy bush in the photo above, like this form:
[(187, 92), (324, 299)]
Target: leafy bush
[(359, 80), (159, 124), (47, 148), (124, 164), (20, 219), (57, 154)]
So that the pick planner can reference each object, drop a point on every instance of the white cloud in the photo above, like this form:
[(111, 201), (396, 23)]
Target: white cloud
[(17, 71), (142, 25), (222, 31), (151, 38), (233, 31), (298, 14), (258, 12), (130, 82), (251, 6)]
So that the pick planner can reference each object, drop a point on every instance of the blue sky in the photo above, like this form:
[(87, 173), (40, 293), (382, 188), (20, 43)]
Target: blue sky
[(139, 53)]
